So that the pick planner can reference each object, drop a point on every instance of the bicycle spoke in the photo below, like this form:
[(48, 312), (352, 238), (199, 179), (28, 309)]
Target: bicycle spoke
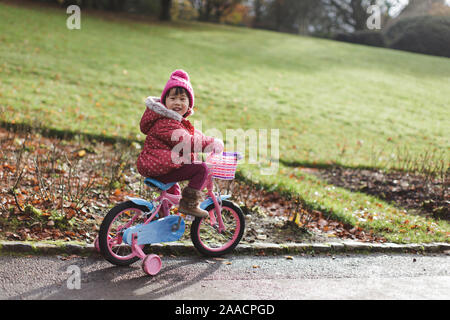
[(210, 235), (123, 220)]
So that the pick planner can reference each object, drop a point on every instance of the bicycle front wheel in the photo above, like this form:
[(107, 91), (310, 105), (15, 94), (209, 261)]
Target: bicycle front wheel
[(206, 237)]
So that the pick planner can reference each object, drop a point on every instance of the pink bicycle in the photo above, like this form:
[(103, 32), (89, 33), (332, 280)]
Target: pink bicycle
[(132, 224)]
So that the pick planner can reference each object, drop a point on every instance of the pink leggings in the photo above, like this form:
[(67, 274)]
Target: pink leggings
[(196, 173)]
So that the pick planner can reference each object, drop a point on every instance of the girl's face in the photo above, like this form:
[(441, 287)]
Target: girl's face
[(177, 102)]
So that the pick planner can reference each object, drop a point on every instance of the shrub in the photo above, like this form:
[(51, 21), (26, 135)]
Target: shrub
[(369, 38), (423, 34)]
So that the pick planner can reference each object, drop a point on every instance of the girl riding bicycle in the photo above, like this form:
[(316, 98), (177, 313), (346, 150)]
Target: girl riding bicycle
[(166, 126), (130, 225)]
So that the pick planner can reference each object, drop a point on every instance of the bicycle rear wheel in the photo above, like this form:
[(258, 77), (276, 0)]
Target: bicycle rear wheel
[(119, 218), (209, 241)]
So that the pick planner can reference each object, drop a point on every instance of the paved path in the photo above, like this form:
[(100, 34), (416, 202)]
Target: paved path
[(376, 276)]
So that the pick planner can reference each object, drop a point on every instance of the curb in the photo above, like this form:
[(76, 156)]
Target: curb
[(182, 249)]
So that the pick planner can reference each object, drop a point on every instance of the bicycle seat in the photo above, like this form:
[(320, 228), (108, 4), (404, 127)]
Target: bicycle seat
[(155, 183)]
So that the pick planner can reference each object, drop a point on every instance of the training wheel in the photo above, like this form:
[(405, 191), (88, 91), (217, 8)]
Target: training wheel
[(151, 264)]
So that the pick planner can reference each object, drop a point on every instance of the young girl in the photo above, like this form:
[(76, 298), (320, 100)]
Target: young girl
[(166, 126)]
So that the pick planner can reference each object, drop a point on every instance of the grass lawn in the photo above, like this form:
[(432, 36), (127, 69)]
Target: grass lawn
[(332, 102)]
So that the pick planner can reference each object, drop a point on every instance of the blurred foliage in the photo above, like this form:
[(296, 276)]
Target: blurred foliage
[(426, 34), (421, 27), (370, 38), (183, 10)]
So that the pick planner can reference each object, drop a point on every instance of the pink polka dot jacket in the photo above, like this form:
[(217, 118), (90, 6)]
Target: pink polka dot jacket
[(167, 131)]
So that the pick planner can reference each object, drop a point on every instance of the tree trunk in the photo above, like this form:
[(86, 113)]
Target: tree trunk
[(207, 11), (165, 10), (258, 13), (278, 14), (359, 15)]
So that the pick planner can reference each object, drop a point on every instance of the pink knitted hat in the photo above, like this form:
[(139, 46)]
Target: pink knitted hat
[(180, 78)]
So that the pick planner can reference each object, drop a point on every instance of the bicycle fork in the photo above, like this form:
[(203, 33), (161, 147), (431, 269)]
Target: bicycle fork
[(217, 223)]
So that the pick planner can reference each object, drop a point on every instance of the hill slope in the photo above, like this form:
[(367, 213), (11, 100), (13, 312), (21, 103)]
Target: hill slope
[(332, 102)]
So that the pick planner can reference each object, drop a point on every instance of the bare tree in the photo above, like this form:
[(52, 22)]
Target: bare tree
[(165, 10), (347, 14), (352, 15), (283, 15), (258, 12), (213, 10)]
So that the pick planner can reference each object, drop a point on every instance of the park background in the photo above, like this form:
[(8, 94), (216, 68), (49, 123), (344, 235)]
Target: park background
[(363, 114)]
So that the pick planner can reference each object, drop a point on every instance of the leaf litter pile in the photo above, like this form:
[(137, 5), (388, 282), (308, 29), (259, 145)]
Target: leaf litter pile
[(426, 194), (60, 189)]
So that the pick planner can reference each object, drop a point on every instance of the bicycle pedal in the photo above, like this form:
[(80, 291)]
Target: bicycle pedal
[(175, 227)]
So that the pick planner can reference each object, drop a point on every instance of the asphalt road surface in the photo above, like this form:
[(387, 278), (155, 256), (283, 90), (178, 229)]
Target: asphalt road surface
[(374, 277)]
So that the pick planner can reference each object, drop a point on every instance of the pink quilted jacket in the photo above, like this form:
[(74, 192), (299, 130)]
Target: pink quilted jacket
[(159, 124)]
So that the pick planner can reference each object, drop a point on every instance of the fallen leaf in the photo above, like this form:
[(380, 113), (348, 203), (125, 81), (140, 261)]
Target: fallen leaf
[(322, 222), (72, 256), (70, 213), (9, 167)]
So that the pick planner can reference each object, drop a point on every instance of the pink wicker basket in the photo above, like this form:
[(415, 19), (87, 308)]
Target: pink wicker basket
[(223, 166)]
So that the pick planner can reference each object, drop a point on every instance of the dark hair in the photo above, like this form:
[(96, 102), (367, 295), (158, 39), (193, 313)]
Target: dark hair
[(178, 90)]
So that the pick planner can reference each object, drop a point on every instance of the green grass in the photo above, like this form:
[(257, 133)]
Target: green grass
[(332, 102), (356, 209)]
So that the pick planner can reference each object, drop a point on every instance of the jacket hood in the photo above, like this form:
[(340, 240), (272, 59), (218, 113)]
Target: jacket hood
[(155, 105), (155, 111)]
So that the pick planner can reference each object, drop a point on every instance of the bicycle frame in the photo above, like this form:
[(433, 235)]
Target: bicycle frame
[(166, 198)]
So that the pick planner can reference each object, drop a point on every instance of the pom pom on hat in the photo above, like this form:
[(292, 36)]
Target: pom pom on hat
[(180, 78), (181, 74)]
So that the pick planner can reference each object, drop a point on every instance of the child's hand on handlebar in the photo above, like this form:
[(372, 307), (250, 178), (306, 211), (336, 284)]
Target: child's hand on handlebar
[(217, 146)]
